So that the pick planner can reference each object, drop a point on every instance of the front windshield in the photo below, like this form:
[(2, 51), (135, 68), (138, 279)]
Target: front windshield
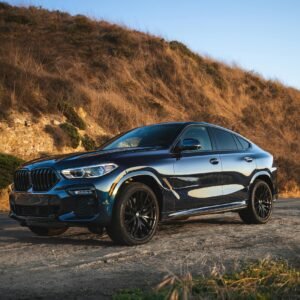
[(161, 135)]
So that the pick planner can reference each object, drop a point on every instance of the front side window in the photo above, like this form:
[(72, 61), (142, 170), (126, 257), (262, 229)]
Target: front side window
[(224, 140), (161, 135), (199, 133)]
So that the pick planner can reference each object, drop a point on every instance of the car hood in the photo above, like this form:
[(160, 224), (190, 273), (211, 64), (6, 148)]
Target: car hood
[(84, 158)]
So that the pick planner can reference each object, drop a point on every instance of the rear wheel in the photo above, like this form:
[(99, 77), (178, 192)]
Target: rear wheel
[(45, 231), (260, 205), (135, 215)]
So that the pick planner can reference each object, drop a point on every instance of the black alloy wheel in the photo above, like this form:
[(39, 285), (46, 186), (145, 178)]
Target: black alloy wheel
[(135, 215), (140, 214), (263, 201), (260, 204)]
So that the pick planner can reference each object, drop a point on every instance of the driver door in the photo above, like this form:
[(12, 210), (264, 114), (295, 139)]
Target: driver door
[(197, 173)]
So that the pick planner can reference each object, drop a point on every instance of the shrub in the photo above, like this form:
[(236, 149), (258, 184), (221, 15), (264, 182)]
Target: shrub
[(72, 133), (9, 164), (58, 135), (71, 115), (88, 143)]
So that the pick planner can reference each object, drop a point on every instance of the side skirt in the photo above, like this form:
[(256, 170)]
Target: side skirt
[(209, 210)]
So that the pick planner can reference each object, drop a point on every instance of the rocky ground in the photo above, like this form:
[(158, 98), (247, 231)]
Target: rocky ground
[(81, 265)]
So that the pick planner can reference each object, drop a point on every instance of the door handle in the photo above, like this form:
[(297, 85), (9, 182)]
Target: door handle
[(248, 159), (214, 161)]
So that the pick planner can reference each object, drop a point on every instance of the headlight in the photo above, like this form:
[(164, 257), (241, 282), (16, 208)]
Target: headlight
[(89, 172)]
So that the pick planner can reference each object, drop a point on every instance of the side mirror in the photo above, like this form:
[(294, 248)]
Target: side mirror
[(189, 145)]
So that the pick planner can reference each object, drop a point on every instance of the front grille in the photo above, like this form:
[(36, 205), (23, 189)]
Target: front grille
[(35, 211), (22, 180), (41, 180)]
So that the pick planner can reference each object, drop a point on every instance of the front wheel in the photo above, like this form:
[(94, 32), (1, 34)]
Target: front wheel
[(135, 216), (260, 204), (45, 231)]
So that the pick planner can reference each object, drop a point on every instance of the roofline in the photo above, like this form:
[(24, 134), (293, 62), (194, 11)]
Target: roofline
[(188, 123)]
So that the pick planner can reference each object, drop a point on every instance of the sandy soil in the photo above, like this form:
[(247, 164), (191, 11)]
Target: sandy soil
[(81, 265)]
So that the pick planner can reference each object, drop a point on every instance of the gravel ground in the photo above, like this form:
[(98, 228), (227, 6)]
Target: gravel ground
[(79, 264)]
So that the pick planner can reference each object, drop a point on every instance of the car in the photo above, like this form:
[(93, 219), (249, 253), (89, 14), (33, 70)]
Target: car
[(147, 175)]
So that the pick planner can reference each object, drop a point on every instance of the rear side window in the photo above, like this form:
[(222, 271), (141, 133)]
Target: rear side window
[(199, 133), (224, 140), (242, 144)]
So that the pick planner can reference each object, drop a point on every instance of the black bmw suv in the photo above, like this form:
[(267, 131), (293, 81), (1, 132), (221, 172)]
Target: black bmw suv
[(147, 175)]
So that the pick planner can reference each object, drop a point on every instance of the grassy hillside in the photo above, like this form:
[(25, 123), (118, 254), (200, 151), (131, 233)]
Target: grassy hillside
[(100, 79)]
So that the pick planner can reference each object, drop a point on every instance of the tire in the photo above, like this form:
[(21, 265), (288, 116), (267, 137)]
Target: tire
[(45, 231), (135, 215), (96, 229), (260, 204)]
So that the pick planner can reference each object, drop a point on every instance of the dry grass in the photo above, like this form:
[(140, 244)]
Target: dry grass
[(267, 279), (4, 204), (54, 63)]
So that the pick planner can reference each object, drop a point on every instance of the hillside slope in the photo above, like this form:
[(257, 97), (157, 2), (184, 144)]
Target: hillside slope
[(57, 70)]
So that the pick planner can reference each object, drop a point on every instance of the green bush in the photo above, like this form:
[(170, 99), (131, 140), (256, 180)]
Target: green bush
[(72, 133), (71, 115), (8, 164), (88, 143)]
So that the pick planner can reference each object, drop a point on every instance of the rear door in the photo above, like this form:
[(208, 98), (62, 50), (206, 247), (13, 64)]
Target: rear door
[(238, 164), (197, 173)]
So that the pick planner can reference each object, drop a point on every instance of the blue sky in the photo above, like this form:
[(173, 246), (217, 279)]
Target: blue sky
[(259, 35)]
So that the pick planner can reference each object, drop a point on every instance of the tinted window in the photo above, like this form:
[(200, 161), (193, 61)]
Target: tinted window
[(199, 133), (224, 140), (243, 143), (149, 136)]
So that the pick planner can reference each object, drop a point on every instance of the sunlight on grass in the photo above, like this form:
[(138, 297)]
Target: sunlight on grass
[(266, 279)]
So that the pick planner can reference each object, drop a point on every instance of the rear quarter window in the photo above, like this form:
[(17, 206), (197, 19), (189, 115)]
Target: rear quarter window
[(242, 144), (224, 140)]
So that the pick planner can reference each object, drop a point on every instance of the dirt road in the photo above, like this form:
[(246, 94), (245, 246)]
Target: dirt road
[(79, 264)]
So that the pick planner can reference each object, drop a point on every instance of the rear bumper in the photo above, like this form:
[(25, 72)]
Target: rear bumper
[(61, 207)]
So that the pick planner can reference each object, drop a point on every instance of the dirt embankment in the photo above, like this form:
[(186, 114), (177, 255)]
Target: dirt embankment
[(72, 82)]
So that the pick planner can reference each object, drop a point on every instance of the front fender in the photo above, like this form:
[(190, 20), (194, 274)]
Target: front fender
[(131, 173)]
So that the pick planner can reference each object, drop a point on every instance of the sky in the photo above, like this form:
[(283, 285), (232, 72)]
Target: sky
[(257, 35)]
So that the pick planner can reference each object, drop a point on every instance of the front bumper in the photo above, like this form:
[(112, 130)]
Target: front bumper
[(61, 207)]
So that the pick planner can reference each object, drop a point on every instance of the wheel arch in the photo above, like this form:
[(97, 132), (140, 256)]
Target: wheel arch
[(145, 177), (266, 177)]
